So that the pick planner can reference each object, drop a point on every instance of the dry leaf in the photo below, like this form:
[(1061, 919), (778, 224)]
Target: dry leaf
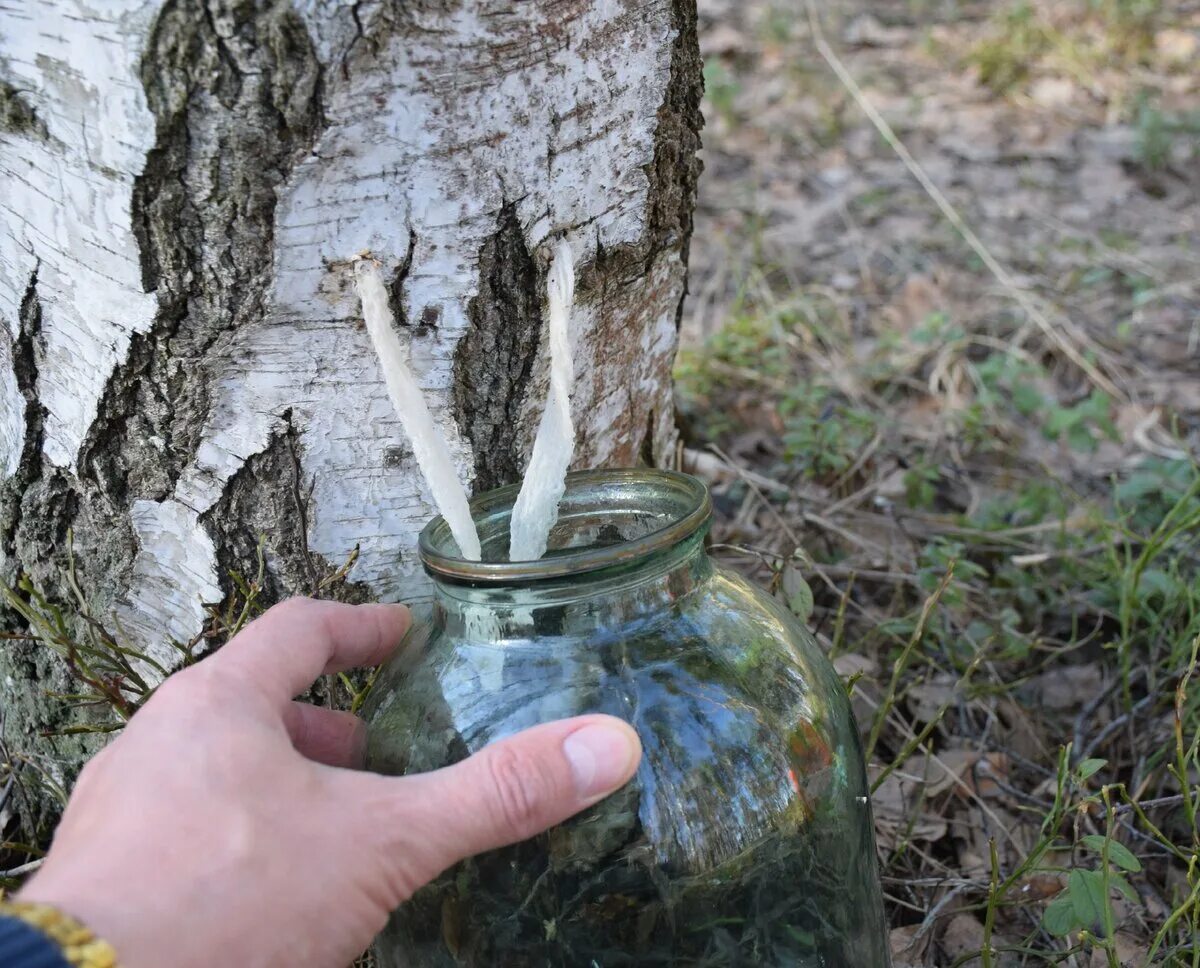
[(853, 664), (917, 300), (897, 819), (1018, 731), (1053, 92), (926, 699), (722, 40), (867, 31), (1069, 687), (1130, 951), (908, 945), (961, 771), (962, 935), (1180, 46), (1041, 887)]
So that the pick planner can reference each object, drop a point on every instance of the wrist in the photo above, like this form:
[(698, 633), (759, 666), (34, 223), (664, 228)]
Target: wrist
[(129, 916), (74, 942)]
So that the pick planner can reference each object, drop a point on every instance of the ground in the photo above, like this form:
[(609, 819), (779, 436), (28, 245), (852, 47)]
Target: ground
[(955, 425)]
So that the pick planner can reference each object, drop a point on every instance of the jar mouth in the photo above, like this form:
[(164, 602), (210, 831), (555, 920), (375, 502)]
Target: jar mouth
[(606, 518)]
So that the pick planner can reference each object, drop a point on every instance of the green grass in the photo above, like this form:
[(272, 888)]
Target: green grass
[(113, 676), (981, 522), (1018, 40), (1161, 134), (1035, 575), (1081, 40), (721, 90)]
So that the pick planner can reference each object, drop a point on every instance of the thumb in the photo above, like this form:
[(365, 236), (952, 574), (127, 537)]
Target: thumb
[(507, 792)]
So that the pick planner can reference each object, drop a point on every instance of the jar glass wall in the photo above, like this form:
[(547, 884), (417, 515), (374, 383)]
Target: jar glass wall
[(745, 837)]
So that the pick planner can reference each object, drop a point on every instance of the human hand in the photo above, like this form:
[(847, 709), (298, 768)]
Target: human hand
[(228, 825)]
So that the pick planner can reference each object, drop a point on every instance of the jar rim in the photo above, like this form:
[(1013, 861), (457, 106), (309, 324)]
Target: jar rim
[(684, 502)]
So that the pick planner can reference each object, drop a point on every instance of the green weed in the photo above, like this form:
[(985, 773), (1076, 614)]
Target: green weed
[(823, 433), (1083, 425), (1014, 45), (721, 89), (1159, 134)]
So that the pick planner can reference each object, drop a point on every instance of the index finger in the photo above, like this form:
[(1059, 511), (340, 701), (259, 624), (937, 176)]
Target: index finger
[(300, 639)]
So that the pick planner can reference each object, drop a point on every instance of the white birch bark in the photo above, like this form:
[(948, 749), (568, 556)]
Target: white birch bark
[(183, 187)]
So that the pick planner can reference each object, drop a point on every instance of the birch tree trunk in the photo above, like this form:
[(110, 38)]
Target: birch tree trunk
[(183, 368)]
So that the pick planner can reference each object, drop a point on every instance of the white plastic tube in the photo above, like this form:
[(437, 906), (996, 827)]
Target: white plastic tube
[(536, 509), (428, 444)]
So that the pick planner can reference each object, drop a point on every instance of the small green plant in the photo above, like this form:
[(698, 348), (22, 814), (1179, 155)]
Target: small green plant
[(1159, 134), (747, 349), (1085, 904), (721, 89), (1005, 378), (936, 329), (1083, 424), (792, 587), (1130, 23), (1153, 136), (1149, 492), (920, 484), (747, 346), (1016, 41), (942, 556), (823, 433), (111, 674), (1127, 11), (1038, 501), (779, 23)]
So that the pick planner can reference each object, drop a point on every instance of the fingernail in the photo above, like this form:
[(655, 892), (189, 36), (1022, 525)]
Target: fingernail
[(603, 756)]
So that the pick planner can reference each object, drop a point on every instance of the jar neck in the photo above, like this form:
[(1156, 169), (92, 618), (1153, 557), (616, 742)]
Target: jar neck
[(573, 604)]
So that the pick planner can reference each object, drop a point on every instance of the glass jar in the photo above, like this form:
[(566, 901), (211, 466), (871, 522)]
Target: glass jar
[(745, 837)]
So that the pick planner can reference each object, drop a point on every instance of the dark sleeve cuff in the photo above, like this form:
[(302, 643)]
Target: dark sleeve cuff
[(23, 946)]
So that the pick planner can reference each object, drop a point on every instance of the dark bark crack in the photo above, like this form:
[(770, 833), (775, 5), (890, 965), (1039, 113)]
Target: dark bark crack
[(493, 362), (267, 502), (396, 286), (675, 172), (235, 89), (17, 115), (29, 467), (37, 505)]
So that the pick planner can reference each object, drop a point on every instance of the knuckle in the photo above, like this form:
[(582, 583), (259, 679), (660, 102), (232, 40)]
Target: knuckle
[(202, 686), (294, 608), (298, 724), (176, 688), (519, 791), (93, 769)]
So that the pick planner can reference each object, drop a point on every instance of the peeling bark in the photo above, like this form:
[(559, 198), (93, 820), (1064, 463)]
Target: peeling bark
[(182, 364)]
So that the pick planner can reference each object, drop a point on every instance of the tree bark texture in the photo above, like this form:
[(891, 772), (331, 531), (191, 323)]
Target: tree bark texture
[(183, 189)]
